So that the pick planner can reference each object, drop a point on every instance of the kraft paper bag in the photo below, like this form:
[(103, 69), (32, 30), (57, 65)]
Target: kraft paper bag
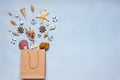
[(33, 64)]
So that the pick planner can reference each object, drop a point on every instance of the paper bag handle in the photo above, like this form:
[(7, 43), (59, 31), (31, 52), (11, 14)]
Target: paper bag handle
[(30, 59)]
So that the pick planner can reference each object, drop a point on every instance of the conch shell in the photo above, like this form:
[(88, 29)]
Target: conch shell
[(23, 11)]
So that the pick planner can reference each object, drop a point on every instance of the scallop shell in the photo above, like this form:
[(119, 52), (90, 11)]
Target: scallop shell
[(13, 22), (32, 8)]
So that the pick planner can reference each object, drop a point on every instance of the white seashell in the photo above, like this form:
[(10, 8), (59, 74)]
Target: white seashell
[(52, 27), (15, 33)]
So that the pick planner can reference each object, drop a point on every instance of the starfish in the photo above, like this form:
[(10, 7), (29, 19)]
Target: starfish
[(42, 16)]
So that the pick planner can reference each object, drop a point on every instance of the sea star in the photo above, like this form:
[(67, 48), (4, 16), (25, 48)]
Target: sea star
[(42, 16)]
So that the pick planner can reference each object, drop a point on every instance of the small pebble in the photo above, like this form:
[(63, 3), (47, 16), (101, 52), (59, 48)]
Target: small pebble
[(35, 46), (21, 23), (31, 47)]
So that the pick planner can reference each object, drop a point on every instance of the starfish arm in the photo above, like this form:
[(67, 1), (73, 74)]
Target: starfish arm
[(46, 19)]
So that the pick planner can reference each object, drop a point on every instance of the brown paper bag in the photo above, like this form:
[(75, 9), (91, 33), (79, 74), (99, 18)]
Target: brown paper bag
[(33, 64)]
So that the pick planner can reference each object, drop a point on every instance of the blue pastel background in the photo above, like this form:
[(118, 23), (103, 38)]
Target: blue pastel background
[(86, 44)]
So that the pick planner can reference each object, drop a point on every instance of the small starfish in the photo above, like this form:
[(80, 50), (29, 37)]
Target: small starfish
[(42, 16)]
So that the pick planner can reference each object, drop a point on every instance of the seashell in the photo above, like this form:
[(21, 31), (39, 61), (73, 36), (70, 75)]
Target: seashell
[(44, 45), (31, 34), (52, 27), (32, 8), (45, 34), (15, 33), (23, 11), (23, 44), (35, 46), (10, 14), (13, 22)]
